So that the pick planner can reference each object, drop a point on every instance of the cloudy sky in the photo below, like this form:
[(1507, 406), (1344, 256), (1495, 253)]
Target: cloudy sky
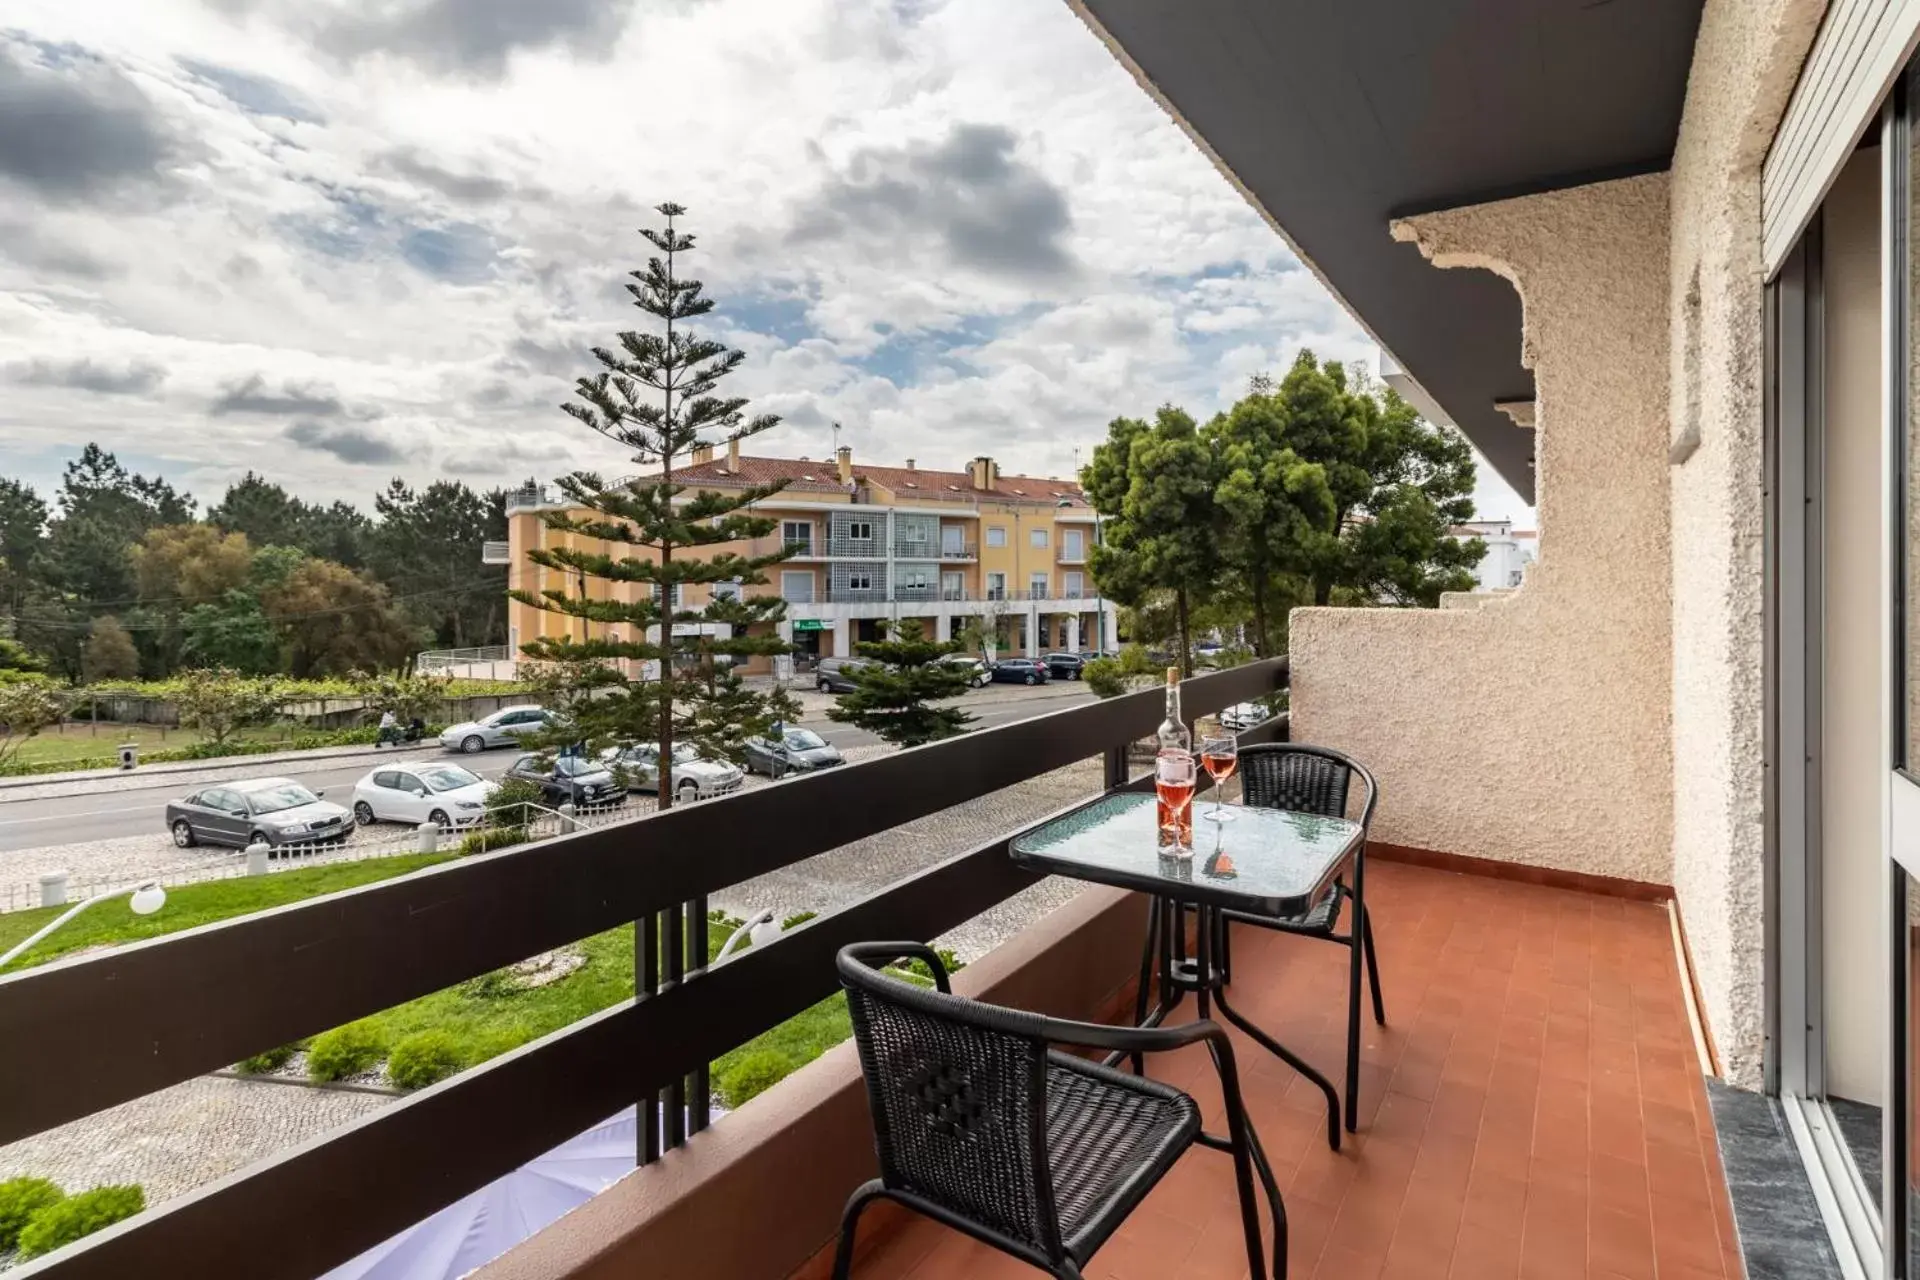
[(340, 240)]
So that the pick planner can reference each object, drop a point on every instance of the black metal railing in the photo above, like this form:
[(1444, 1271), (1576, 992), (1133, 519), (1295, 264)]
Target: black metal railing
[(108, 1028)]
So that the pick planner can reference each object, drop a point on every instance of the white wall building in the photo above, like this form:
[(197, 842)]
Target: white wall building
[(1509, 552)]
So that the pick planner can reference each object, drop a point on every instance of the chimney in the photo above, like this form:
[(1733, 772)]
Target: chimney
[(702, 453), (733, 454), (844, 455), (909, 464), (982, 472)]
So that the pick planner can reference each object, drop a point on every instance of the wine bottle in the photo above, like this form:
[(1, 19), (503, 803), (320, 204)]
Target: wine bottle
[(1173, 763)]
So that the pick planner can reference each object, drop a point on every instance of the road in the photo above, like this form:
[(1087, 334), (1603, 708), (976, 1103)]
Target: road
[(37, 824)]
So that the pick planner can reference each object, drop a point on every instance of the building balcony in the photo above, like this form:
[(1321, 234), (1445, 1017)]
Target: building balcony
[(962, 551), (1071, 557), (1533, 1105), (856, 548)]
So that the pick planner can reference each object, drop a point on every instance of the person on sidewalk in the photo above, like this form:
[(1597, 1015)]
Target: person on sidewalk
[(389, 729)]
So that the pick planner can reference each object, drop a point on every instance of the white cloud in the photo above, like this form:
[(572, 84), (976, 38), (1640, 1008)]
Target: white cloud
[(953, 227)]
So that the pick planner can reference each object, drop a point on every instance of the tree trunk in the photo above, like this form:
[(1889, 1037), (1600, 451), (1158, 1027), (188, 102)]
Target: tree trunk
[(1259, 614), (1322, 591), (1186, 639)]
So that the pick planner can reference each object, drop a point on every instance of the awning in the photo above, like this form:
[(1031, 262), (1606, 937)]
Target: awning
[(1339, 115)]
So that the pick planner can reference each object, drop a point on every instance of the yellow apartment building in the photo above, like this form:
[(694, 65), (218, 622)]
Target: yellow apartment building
[(880, 545)]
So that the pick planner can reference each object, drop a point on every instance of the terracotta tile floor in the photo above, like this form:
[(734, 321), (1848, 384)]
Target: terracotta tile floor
[(1533, 1110)]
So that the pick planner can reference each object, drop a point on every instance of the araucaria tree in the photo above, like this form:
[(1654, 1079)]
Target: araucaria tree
[(893, 693), (642, 540)]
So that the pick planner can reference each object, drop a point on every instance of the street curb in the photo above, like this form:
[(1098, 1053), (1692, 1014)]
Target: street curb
[(984, 698)]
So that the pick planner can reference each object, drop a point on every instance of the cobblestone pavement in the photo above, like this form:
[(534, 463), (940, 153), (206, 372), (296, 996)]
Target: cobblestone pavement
[(841, 876), (184, 1137)]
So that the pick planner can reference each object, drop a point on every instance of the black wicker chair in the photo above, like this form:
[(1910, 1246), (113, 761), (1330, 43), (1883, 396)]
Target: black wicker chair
[(1285, 775), (980, 1125)]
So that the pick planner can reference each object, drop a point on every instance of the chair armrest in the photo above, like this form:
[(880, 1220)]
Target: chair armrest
[(878, 955), (1101, 1035)]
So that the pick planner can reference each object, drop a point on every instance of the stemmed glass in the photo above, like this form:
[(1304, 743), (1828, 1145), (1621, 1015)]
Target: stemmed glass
[(1220, 753)]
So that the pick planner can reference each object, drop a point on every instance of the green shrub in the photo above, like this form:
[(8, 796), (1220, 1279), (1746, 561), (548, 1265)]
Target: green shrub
[(345, 1051), (422, 1058), (20, 1200), (796, 920), (488, 839), (76, 1216), (752, 1076), (270, 1060), (506, 807)]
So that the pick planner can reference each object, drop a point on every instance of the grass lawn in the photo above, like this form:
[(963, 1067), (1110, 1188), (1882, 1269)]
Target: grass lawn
[(483, 1018), (196, 904), (80, 743)]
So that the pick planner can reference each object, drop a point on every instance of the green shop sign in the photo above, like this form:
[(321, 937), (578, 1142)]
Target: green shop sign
[(809, 624)]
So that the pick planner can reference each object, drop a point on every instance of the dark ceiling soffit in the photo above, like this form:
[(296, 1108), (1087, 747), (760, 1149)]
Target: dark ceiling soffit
[(1535, 187)]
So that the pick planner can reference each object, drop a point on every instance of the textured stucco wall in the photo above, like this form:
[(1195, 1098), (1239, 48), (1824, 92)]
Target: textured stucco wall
[(1569, 677), (1746, 59)]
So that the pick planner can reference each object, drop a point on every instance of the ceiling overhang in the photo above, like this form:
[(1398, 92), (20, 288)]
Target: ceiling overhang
[(1336, 116)]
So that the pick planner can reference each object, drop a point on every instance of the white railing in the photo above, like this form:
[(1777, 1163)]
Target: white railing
[(440, 659)]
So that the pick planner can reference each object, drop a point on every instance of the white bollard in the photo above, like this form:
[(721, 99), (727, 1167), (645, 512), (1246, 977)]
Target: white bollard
[(567, 823), (53, 889), (257, 854), (429, 837)]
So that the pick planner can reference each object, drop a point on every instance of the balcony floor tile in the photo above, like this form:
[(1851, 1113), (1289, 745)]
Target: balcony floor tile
[(1532, 1109)]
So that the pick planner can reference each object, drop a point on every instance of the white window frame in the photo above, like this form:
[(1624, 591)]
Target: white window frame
[(855, 526), (860, 580), (1075, 586), (787, 577), (1039, 587), (805, 528), (996, 582), (1037, 539), (996, 535), (1073, 543)]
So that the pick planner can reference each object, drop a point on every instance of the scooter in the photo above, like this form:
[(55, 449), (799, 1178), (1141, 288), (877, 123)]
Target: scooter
[(399, 735)]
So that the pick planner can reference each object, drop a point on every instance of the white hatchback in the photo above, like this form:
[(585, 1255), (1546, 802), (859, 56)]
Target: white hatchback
[(430, 791)]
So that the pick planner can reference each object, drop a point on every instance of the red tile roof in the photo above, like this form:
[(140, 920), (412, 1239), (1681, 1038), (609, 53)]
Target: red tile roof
[(823, 476)]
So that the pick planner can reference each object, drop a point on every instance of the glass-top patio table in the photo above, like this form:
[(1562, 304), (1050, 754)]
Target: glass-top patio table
[(1270, 861)]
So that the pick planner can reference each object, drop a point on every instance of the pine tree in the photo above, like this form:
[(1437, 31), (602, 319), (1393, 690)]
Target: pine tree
[(656, 396), (902, 676)]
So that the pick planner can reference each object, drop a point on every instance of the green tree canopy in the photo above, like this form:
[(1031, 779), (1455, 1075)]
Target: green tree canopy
[(1388, 488), (427, 548), (222, 702), (269, 516), (333, 621), (232, 632), (1154, 483), (892, 696)]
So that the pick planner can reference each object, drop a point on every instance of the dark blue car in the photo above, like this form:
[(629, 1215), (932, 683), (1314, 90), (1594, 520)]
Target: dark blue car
[(1021, 671)]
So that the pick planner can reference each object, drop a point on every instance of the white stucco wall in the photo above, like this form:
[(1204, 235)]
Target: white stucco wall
[(1746, 59), (1536, 728)]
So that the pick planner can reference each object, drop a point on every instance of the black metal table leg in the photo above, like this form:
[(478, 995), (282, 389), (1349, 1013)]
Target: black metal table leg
[(1292, 1059)]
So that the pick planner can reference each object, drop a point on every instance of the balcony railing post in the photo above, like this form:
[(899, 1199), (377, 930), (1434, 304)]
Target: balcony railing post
[(646, 982), (1116, 767), (699, 1091)]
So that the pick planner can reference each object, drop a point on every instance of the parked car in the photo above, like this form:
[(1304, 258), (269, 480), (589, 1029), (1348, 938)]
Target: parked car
[(976, 670), (1088, 655), (504, 728), (271, 811), (694, 777), (569, 779), (1064, 666), (830, 675), (435, 791), (1243, 715), (1021, 671), (795, 751)]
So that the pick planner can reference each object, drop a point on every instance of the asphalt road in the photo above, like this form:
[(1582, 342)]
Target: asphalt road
[(36, 824)]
